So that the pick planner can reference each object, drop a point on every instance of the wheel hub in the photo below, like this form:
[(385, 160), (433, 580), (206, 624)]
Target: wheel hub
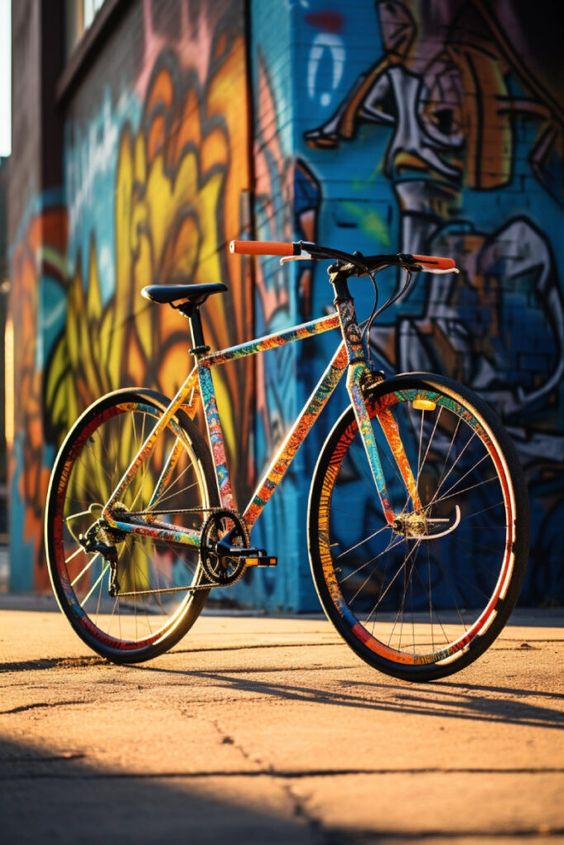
[(420, 525)]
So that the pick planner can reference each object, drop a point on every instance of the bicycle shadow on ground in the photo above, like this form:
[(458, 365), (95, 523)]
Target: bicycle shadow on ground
[(440, 699), (54, 797)]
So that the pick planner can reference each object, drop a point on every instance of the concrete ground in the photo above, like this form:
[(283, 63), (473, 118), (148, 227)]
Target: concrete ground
[(272, 731)]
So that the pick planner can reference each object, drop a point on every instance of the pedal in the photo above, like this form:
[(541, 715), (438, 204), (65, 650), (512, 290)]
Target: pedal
[(248, 556), (260, 559)]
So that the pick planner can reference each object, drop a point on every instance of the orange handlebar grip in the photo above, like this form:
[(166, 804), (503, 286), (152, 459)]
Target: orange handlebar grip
[(262, 248), (435, 262)]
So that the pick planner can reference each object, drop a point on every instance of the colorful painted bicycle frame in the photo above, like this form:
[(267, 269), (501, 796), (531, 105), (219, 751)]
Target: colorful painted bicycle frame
[(199, 385), (366, 550)]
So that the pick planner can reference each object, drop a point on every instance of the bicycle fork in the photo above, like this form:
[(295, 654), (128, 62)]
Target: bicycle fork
[(359, 379), (416, 522)]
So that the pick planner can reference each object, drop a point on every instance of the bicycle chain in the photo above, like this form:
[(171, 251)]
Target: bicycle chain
[(210, 584), (177, 510)]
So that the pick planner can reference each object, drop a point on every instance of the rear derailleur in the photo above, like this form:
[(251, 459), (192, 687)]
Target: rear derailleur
[(101, 539)]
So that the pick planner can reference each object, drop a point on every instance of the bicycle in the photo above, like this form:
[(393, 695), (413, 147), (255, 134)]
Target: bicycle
[(417, 519)]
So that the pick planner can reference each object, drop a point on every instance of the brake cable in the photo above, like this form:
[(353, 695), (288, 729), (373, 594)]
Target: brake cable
[(367, 325)]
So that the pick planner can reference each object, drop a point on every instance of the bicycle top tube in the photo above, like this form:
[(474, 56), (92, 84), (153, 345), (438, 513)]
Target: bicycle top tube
[(351, 263)]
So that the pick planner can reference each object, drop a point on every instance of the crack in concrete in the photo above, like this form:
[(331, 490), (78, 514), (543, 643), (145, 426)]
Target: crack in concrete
[(301, 811), (268, 771), (40, 705), (227, 739), (299, 806)]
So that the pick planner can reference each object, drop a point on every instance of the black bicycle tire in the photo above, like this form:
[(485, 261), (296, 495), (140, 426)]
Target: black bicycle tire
[(194, 607), (520, 547)]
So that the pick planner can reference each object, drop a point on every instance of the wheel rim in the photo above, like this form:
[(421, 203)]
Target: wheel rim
[(92, 465), (406, 599)]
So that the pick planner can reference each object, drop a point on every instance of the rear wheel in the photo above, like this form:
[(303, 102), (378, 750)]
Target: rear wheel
[(155, 605), (422, 598)]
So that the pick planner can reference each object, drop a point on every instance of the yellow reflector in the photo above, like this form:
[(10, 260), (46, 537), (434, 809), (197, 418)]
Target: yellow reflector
[(424, 404)]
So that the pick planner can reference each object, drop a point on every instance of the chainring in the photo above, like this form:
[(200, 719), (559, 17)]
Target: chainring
[(222, 570)]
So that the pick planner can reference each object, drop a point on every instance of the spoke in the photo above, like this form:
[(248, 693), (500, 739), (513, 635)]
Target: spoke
[(361, 542), (98, 603), (498, 504), (390, 547), (457, 459), (474, 545), (450, 447), (74, 554), (115, 606), (105, 569), (401, 609), (430, 595), (431, 440), (449, 494), (414, 548), (144, 468), (162, 499), (447, 576), (86, 568)]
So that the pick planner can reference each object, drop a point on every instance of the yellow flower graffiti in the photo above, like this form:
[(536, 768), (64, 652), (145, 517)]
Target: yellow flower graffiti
[(179, 179)]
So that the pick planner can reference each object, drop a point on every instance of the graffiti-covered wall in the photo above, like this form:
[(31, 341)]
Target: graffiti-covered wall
[(415, 126), (438, 128), (155, 181)]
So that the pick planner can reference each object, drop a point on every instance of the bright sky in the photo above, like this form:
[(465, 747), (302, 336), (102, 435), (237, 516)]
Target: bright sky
[(5, 78)]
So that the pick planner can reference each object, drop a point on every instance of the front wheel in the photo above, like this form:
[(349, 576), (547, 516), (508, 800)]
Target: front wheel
[(155, 602), (424, 595)]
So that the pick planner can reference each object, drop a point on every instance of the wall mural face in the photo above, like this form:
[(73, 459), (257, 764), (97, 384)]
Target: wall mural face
[(465, 124)]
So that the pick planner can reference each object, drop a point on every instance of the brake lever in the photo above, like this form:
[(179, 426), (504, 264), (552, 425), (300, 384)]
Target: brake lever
[(436, 272), (305, 256)]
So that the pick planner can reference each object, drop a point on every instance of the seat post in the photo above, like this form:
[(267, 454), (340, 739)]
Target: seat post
[(192, 311), (187, 299)]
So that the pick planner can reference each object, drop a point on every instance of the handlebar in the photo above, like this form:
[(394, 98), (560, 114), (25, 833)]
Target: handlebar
[(434, 263), (365, 263), (264, 248)]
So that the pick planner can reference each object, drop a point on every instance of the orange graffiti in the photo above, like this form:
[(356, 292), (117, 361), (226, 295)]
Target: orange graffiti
[(40, 252)]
